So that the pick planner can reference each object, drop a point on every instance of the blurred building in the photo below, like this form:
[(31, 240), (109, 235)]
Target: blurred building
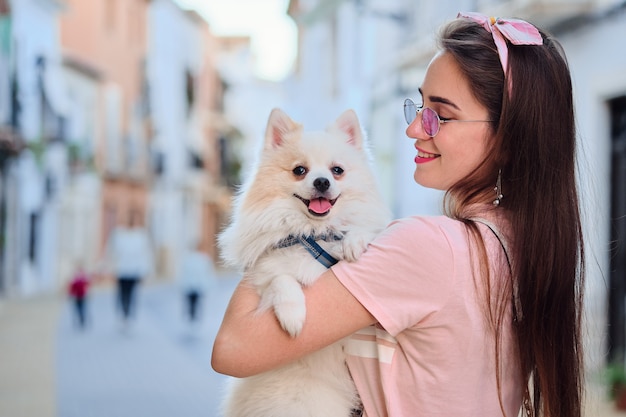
[(370, 55), (189, 194), (35, 112), (107, 109), (248, 102), (105, 53), (10, 146)]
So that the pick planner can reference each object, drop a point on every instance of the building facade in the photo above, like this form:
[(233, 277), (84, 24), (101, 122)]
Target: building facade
[(107, 109), (186, 105), (37, 108), (105, 51)]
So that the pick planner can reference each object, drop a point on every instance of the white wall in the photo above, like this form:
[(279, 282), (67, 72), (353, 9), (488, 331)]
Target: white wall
[(36, 34)]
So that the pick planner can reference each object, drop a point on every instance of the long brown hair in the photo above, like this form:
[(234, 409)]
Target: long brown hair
[(534, 144)]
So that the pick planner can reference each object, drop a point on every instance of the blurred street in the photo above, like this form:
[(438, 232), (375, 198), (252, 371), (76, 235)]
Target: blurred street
[(159, 366)]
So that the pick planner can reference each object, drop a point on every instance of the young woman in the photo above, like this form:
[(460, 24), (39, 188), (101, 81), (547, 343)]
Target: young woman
[(478, 312)]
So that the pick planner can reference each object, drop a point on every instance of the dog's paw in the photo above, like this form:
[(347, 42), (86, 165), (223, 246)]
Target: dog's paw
[(354, 247), (284, 294), (291, 317)]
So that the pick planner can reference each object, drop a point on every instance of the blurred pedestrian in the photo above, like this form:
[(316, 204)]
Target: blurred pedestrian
[(129, 254), (197, 279), (77, 290)]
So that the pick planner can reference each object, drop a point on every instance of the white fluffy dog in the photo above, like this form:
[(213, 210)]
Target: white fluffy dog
[(312, 192)]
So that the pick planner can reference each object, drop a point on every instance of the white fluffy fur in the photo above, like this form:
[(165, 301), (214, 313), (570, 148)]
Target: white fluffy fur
[(267, 211)]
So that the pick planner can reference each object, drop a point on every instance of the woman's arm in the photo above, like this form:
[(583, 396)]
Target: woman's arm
[(249, 343)]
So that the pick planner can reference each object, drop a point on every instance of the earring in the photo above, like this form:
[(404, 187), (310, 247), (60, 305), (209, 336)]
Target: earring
[(498, 189)]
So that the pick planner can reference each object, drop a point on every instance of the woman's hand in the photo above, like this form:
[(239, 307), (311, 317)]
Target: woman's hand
[(249, 342)]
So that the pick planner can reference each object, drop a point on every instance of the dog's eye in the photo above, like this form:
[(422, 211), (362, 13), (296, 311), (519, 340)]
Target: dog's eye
[(337, 170), (299, 171)]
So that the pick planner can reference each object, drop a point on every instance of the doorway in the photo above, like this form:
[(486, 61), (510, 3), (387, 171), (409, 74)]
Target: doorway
[(617, 271)]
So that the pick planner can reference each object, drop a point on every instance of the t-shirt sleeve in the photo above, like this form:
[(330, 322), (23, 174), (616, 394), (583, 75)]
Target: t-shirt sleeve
[(406, 276)]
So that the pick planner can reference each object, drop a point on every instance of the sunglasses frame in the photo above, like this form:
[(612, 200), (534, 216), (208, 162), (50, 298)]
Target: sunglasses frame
[(408, 103)]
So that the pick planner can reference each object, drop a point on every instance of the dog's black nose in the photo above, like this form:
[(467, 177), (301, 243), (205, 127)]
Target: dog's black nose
[(321, 184)]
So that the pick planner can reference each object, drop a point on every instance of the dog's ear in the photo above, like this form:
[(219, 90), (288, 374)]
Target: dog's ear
[(349, 124), (279, 126)]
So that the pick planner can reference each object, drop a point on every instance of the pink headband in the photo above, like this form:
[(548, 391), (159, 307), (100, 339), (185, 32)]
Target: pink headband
[(518, 32)]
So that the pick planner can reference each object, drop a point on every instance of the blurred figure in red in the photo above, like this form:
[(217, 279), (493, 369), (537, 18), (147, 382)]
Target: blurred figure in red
[(78, 288)]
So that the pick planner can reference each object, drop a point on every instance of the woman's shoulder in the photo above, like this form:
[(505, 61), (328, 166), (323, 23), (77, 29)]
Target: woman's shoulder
[(425, 233), (448, 225), (438, 225)]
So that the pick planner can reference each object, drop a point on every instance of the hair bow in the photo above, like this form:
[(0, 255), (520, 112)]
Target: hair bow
[(518, 32)]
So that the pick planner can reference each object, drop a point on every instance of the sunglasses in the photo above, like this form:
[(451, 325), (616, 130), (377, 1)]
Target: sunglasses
[(431, 122)]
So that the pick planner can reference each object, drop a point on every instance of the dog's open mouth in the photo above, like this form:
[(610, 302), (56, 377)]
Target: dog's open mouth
[(319, 206)]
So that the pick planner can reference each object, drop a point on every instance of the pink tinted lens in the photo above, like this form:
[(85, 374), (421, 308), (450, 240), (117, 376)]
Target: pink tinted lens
[(430, 121)]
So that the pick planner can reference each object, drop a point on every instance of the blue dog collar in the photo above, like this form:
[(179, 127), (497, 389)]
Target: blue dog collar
[(310, 244)]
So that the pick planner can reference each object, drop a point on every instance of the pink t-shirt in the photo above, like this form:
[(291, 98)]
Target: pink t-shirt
[(433, 351)]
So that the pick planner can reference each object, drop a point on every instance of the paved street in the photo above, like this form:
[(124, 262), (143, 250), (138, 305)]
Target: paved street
[(158, 367)]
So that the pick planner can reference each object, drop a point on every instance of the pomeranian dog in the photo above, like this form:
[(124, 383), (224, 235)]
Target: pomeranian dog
[(312, 200)]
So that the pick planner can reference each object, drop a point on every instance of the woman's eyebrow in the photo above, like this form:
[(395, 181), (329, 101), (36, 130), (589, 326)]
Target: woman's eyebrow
[(437, 99)]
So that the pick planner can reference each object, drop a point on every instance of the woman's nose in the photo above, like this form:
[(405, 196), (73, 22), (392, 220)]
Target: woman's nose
[(416, 130)]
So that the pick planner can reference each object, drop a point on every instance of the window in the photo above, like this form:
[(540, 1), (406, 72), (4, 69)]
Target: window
[(32, 236), (617, 293)]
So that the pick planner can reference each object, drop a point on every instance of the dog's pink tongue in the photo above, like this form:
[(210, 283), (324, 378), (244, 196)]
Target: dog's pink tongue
[(319, 205)]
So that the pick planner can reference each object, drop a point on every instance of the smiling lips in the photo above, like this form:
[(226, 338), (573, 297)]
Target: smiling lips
[(425, 156), (319, 206)]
